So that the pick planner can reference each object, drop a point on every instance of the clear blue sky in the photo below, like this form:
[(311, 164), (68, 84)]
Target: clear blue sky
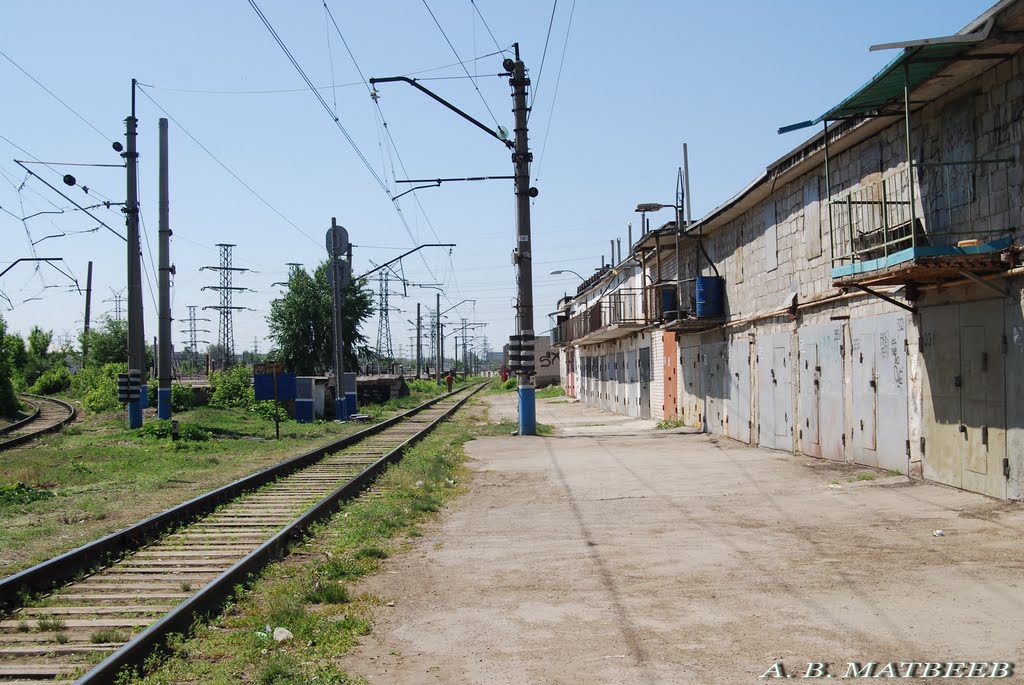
[(638, 79)]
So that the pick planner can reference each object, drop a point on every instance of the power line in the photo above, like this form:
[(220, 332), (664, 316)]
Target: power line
[(54, 96), (543, 56), (393, 147), (316, 93), (461, 62), (554, 96), (226, 168), (352, 84), (489, 32)]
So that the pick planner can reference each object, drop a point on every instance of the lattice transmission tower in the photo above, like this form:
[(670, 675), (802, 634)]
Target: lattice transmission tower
[(226, 327), (192, 330), (385, 351)]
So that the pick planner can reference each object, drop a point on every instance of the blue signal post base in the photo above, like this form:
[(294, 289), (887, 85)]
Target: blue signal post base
[(135, 414), (527, 410), (143, 396), (341, 412), (163, 403), (351, 406)]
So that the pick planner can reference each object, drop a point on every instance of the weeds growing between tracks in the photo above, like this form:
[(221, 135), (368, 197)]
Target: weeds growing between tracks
[(309, 592)]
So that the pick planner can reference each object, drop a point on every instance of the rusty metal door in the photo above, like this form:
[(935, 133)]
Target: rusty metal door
[(940, 354), (831, 393), (713, 384), (983, 366), (645, 382), (775, 410), (865, 393), (670, 366), (810, 398), (692, 402), (737, 417), (879, 378), (570, 372), (619, 406), (782, 401), (632, 405), (964, 396), (603, 390)]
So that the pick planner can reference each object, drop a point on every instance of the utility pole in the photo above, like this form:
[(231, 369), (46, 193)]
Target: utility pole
[(339, 274), (164, 352), (419, 323), (523, 253), (136, 332), (88, 312), (440, 342)]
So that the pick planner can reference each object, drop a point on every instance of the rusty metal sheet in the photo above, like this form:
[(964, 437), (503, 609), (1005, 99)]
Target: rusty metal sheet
[(670, 367), (714, 384), (940, 372), (775, 385), (983, 404), (737, 416), (692, 401), (645, 382)]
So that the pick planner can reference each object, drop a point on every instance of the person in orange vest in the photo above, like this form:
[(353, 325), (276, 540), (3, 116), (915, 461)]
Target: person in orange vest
[(449, 379)]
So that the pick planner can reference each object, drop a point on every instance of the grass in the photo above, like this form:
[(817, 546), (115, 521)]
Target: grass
[(108, 635), (894, 472), (550, 391), (666, 424), (308, 595), (49, 624), (96, 476), (862, 476), (509, 427)]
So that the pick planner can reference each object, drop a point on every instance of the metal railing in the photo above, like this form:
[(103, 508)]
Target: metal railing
[(924, 204), (874, 219), (623, 306)]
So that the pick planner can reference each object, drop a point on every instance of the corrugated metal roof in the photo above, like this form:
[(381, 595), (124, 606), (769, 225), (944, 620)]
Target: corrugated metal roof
[(917, 64)]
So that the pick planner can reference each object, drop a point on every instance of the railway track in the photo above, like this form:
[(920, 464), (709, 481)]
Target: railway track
[(47, 415), (102, 621)]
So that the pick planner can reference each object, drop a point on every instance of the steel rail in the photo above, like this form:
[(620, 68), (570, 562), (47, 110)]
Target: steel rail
[(213, 595), (21, 422), (54, 572), (32, 435)]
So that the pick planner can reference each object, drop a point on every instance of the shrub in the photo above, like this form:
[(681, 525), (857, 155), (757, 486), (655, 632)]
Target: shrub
[(161, 428), (56, 379), (19, 493), (423, 386), (232, 388), (182, 397), (510, 384), (96, 386)]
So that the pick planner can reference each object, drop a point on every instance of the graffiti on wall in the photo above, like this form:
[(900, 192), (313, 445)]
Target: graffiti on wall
[(548, 358)]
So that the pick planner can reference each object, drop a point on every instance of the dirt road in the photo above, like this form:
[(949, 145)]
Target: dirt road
[(613, 553)]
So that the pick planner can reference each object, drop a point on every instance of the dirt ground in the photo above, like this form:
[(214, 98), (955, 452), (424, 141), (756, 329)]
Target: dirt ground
[(613, 553)]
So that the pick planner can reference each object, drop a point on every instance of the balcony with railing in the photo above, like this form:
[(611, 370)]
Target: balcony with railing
[(918, 224), (615, 315)]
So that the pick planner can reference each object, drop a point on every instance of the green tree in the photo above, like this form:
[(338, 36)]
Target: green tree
[(8, 401), (301, 327), (108, 343)]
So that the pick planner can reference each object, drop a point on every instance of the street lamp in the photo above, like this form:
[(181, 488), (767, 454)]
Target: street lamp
[(566, 271)]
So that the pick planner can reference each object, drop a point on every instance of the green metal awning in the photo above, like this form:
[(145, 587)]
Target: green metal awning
[(916, 64), (918, 61)]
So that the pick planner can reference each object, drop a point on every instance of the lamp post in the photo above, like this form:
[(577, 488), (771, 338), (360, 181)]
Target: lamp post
[(566, 271)]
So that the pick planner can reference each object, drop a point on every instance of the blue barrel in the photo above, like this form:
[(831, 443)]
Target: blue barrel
[(710, 297)]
